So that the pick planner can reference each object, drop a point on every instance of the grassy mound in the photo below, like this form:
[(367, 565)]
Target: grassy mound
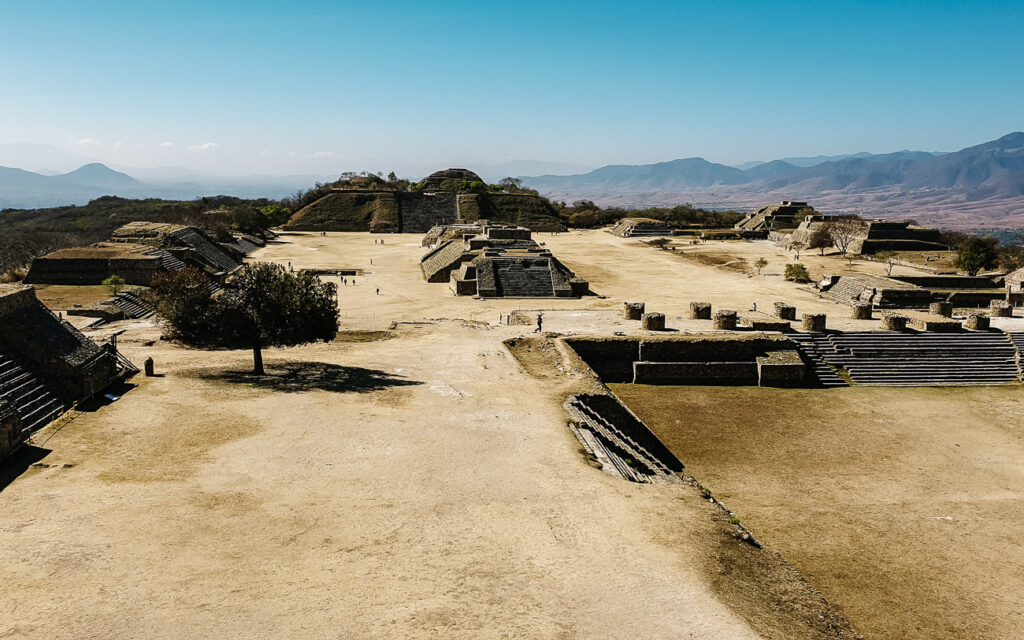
[(348, 211)]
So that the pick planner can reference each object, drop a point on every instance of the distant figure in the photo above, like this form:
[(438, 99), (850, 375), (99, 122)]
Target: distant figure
[(540, 322), (343, 281), (754, 308), (371, 260), (378, 291)]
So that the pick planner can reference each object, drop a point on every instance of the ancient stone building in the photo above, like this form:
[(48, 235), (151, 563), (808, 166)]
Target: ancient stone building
[(632, 227), (877, 235), (913, 292), (770, 218), (497, 261), (138, 264), (437, 201), (46, 364)]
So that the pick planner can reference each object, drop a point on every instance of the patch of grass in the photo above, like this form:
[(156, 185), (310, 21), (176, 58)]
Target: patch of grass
[(363, 336)]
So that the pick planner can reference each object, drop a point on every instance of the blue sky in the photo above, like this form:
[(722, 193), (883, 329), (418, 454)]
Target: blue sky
[(287, 87)]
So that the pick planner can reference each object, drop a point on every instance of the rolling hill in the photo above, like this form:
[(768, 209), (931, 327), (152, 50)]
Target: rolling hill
[(977, 187)]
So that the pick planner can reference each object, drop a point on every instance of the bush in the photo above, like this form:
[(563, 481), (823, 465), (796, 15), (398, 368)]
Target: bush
[(797, 273), (114, 284)]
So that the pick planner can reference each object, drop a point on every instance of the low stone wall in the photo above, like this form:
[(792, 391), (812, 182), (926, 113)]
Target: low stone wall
[(15, 297), (950, 282), (611, 359), (932, 322), (696, 373), (108, 312), (418, 212), (89, 271), (781, 369), (764, 322)]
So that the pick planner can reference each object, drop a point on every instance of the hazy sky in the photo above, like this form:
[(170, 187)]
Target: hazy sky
[(285, 87)]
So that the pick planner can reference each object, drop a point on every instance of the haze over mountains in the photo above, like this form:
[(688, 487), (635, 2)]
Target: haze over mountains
[(977, 187)]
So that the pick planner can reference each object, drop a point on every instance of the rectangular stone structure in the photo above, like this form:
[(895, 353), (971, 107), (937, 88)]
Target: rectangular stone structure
[(652, 322), (944, 309), (861, 311), (781, 369), (894, 322), (725, 319), (632, 310), (1000, 309), (785, 311), (686, 373), (813, 322), (977, 322), (700, 310), (763, 322)]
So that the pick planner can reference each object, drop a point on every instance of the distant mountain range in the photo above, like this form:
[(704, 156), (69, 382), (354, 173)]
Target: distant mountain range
[(20, 189), (977, 187)]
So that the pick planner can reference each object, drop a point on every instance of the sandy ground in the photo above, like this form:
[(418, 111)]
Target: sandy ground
[(902, 505), (422, 485)]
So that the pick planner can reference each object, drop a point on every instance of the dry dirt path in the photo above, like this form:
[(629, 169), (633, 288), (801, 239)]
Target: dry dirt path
[(421, 486)]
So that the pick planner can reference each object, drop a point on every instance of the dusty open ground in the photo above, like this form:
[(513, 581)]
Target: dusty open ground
[(411, 482), (902, 506)]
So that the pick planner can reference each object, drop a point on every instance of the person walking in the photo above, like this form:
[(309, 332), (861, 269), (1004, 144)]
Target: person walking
[(540, 323)]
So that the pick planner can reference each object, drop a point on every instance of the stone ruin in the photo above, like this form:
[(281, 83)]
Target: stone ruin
[(770, 218), (365, 206), (640, 227), (694, 359), (46, 365), (913, 292), (498, 261), (875, 236), (138, 251)]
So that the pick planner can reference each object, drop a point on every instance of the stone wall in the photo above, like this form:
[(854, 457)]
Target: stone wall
[(10, 430), (781, 369), (951, 282), (90, 271), (418, 212), (695, 373)]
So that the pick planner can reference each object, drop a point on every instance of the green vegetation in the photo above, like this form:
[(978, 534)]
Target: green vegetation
[(975, 254), (584, 214), (797, 273), (114, 284), (820, 239), (759, 264), (263, 306), (29, 233)]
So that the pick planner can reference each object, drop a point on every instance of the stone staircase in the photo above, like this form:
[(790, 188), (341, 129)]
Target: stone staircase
[(524, 279), (620, 454), (207, 251), (33, 401), (884, 358), (813, 348), (133, 306)]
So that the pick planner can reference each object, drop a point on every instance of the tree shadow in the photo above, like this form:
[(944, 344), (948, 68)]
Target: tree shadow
[(19, 463), (291, 377)]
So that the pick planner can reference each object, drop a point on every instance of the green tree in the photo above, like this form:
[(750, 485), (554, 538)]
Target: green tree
[(759, 264), (263, 306), (975, 254), (184, 301), (797, 273), (275, 216), (114, 284)]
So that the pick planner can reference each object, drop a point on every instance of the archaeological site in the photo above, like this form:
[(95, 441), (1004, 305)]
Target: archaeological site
[(624, 431)]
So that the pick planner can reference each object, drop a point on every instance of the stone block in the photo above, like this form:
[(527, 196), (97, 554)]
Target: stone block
[(724, 373), (861, 311), (632, 310), (944, 309), (1015, 298), (725, 319), (1000, 309), (781, 369), (813, 322), (785, 311), (652, 322), (977, 322), (894, 322), (700, 310)]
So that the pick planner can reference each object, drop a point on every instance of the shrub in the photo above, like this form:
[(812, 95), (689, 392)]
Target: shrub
[(797, 273)]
